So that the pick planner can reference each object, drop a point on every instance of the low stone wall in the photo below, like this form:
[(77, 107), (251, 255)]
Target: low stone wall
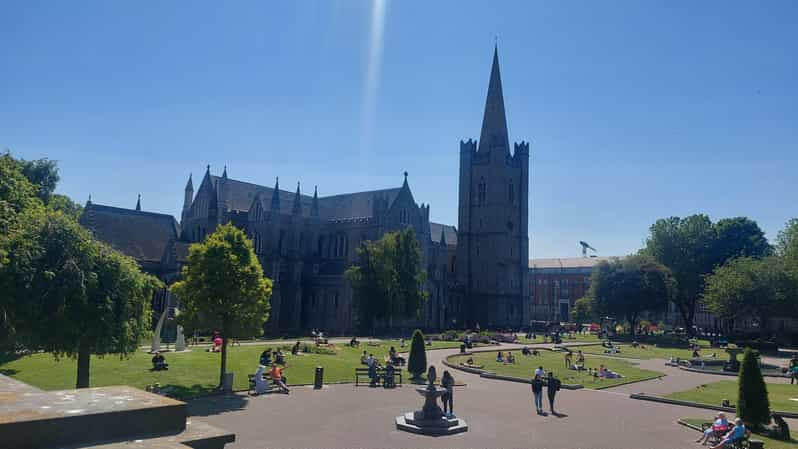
[(645, 397), (490, 375)]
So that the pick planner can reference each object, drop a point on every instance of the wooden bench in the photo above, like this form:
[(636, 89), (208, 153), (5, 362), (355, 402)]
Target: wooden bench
[(364, 372), (743, 443)]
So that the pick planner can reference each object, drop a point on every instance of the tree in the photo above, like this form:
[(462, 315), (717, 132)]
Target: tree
[(388, 279), (746, 286), (64, 204), (686, 247), (630, 287), (223, 287), (739, 237), (787, 241), (582, 311), (16, 193), (753, 406), (417, 361), (71, 295)]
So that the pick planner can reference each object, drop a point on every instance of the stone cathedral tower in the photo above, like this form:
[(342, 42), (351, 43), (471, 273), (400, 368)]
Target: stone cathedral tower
[(493, 229)]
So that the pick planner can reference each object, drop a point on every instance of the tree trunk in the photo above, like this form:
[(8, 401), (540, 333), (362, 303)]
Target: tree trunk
[(84, 359), (687, 314), (632, 324)]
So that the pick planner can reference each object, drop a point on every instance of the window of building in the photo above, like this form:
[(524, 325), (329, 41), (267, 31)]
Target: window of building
[(511, 192), (482, 191)]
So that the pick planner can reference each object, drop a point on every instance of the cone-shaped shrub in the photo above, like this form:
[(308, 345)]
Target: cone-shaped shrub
[(752, 401), (417, 362)]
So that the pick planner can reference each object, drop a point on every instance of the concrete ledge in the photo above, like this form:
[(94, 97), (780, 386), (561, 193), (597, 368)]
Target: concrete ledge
[(645, 397), (724, 373), (488, 375)]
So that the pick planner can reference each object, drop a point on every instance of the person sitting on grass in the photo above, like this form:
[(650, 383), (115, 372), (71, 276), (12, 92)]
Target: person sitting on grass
[(737, 433), (354, 342), (696, 354), (510, 357), (720, 425), (277, 377), (364, 359), (159, 362), (470, 361), (295, 349), (395, 357), (568, 359), (525, 351), (580, 359), (500, 357)]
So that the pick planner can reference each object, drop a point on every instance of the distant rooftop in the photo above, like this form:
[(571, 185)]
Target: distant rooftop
[(570, 262)]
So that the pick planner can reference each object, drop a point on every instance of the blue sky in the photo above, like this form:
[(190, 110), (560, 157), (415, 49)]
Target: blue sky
[(636, 110)]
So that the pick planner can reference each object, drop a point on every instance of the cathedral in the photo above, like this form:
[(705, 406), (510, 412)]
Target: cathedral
[(476, 272)]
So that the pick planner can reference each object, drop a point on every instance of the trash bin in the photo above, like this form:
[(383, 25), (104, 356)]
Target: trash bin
[(227, 382), (318, 380), (462, 348)]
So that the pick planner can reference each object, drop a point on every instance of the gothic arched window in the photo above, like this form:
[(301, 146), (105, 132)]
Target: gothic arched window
[(511, 192), (482, 190)]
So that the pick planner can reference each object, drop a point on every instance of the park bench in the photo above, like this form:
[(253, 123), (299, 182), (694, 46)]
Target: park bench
[(744, 443), (364, 372)]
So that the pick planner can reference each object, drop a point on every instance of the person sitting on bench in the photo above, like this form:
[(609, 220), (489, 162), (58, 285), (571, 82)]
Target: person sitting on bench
[(737, 433), (266, 357), (277, 377), (159, 362), (261, 383), (389, 372), (279, 357)]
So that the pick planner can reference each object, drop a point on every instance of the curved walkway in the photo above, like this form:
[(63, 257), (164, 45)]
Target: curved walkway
[(499, 414)]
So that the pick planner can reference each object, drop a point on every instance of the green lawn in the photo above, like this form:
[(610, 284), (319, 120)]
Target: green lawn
[(658, 352), (579, 338), (555, 361), (778, 394), (195, 372), (770, 443)]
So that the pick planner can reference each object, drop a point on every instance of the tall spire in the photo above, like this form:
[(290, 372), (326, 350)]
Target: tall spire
[(494, 122), (224, 173), (190, 184), (138, 203), (314, 208), (276, 195), (297, 208)]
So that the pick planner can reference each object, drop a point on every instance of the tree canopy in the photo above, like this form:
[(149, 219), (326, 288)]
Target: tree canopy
[(629, 287), (691, 247), (745, 286), (388, 278), (787, 241), (223, 287)]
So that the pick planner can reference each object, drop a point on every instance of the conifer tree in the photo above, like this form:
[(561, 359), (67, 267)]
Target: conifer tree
[(752, 402), (417, 362)]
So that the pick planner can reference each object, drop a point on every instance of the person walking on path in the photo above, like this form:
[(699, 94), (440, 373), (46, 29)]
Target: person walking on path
[(537, 392), (552, 387), (447, 381)]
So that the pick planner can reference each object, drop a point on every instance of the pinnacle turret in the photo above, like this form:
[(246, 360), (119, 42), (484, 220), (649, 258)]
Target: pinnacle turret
[(276, 195), (138, 203), (314, 208), (297, 208)]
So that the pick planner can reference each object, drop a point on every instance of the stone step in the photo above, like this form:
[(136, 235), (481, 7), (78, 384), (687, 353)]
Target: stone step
[(197, 435), (45, 419)]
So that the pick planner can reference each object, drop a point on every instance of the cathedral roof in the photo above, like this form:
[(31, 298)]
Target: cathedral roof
[(335, 207), (449, 233), (143, 236)]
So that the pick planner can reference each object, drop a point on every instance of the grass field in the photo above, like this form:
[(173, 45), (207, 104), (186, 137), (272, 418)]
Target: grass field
[(578, 338), (554, 361), (195, 372), (770, 443), (658, 352), (780, 395)]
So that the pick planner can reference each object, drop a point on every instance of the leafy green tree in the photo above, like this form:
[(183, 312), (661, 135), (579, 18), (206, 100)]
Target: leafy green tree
[(739, 237), (417, 361), (388, 279), (64, 204), (753, 406), (223, 287), (751, 287), (71, 295), (630, 287), (583, 312), (787, 241), (16, 193), (687, 247)]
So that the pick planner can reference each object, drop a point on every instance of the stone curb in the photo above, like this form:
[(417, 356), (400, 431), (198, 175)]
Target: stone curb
[(688, 425), (724, 373), (645, 397)]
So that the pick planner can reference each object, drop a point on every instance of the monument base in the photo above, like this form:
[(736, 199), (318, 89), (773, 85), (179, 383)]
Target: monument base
[(416, 423)]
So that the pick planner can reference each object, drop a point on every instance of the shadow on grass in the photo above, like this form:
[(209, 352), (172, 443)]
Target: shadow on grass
[(8, 371), (216, 404), (185, 392)]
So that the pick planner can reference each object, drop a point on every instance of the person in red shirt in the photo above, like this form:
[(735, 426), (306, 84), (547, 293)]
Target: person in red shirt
[(276, 374)]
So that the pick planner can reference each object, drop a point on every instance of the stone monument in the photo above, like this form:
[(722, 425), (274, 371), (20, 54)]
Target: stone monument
[(430, 420)]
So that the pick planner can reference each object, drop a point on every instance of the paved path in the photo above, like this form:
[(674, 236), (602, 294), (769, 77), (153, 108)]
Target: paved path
[(499, 414)]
